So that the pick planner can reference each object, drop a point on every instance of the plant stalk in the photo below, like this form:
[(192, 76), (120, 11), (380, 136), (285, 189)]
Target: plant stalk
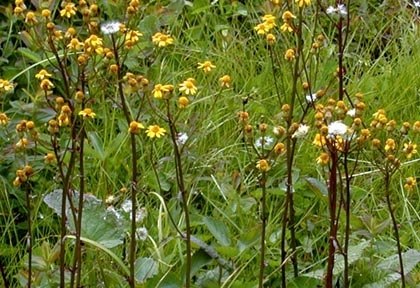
[(263, 217)]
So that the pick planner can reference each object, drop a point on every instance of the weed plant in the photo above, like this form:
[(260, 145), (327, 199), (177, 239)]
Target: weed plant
[(209, 143)]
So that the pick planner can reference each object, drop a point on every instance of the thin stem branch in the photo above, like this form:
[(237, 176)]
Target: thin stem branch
[(263, 218), (29, 236), (387, 180)]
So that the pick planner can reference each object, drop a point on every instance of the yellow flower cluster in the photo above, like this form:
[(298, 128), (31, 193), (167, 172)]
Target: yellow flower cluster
[(45, 83), (22, 175), (264, 28), (5, 85), (287, 19), (152, 131)]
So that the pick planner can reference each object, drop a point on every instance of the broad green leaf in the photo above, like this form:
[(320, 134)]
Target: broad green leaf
[(145, 268), (219, 230), (104, 226), (199, 259), (171, 280)]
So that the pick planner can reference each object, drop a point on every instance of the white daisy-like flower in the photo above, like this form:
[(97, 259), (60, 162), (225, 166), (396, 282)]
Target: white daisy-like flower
[(351, 112), (110, 27), (341, 10), (141, 233), (331, 10), (141, 214), (126, 206), (301, 131), (416, 3), (311, 98), (181, 138), (264, 142), (337, 128)]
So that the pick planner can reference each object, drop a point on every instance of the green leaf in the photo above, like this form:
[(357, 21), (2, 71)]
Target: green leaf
[(391, 264), (98, 224), (27, 53), (199, 259), (145, 268), (97, 144), (319, 188), (219, 230), (171, 281)]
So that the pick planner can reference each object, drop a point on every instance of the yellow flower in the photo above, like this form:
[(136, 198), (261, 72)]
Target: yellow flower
[(5, 85), (162, 40), (279, 148), (269, 20), (183, 102), (188, 87), (155, 131), (206, 66), (262, 29), (160, 90), (302, 3), (3, 119), (22, 143), (288, 16), (69, 10), (225, 81), (46, 84), (94, 44), (319, 140), (87, 113), (135, 127), (410, 183), (323, 159), (289, 55), (271, 39), (263, 165), (30, 18), (75, 44), (286, 28), (49, 158), (410, 149), (131, 38), (390, 144), (43, 74)]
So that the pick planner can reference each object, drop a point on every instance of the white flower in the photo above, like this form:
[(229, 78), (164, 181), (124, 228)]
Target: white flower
[(264, 142), (301, 131), (181, 138), (110, 27), (337, 128), (311, 98), (141, 233), (351, 112), (331, 10), (126, 206), (341, 10), (141, 214), (416, 3)]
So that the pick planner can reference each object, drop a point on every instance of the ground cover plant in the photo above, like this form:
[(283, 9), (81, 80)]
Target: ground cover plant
[(209, 143)]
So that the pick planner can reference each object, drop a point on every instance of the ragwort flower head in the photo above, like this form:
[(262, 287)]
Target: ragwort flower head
[(410, 183), (337, 128), (87, 113), (135, 127), (188, 87), (160, 90), (5, 85), (410, 149), (206, 66), (69, 10), (263, 165), (155, 131), (162, 40), (225, 81), (303, 3)]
